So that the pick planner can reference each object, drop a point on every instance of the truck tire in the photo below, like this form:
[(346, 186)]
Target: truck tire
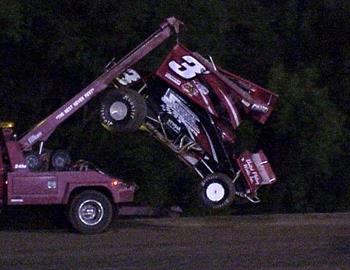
[(60, 160), (33, 161), (90, 212), (123, 110), (216, 191)]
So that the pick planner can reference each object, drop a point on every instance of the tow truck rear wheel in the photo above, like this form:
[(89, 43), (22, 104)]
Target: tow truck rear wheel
[(123, 110), (217, 191), (90, 212)]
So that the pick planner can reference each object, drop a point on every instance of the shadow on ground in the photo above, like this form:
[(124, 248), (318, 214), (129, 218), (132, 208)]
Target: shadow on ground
[(53, 218), (27, 218)]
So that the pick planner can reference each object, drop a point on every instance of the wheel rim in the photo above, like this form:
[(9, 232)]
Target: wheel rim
[(215, 192), (32, 162), (118, 110), (60, 162), (90, 212)]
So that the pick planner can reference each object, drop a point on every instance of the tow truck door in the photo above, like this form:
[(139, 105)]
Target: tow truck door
[(32, 188)]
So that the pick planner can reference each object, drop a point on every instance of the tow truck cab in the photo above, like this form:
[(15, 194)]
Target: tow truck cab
[(21, 186)]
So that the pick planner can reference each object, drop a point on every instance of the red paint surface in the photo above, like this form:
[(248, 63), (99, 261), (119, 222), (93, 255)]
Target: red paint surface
[(56, 187)]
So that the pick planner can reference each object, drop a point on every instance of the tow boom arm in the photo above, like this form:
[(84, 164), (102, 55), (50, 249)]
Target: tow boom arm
[(42, 131)]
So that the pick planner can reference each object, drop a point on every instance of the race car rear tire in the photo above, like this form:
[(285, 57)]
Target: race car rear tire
[(90, 212), (216, 191), (123, 110)]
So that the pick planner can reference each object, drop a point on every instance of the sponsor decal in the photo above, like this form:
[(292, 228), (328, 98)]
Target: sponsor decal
[(176, 106), (51, 184), (172, 78), (245, 103), (189, 89), (35, 137), (17, 200), (74, 104), (260, 108), (251, 172), (20, 166), (170, 123), (201, 88), (128, 77)]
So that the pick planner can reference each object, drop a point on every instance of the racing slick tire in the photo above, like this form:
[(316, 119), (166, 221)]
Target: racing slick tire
[(216, 191), (123, 110), (60, 160), (90, 212)]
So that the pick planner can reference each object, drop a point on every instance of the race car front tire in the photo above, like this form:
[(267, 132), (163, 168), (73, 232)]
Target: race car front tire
[(216, 191)]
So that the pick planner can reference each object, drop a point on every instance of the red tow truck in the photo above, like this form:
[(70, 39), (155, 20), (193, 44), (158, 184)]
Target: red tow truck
[(90, 194)]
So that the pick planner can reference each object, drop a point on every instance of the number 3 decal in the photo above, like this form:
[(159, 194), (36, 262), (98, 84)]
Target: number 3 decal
[(129, 76), (187, 69)]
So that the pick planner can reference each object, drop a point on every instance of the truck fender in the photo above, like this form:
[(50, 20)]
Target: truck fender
[(73, 189)]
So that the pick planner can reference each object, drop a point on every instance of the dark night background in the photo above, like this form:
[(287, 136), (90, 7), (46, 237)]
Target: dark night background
[(300, 49)]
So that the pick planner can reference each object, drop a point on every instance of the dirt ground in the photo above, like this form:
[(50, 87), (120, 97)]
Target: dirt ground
[(313, 241)]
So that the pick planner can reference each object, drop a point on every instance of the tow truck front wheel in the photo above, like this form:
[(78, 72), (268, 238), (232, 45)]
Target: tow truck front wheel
[(217, 191), (90, 212), (123, 110)]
